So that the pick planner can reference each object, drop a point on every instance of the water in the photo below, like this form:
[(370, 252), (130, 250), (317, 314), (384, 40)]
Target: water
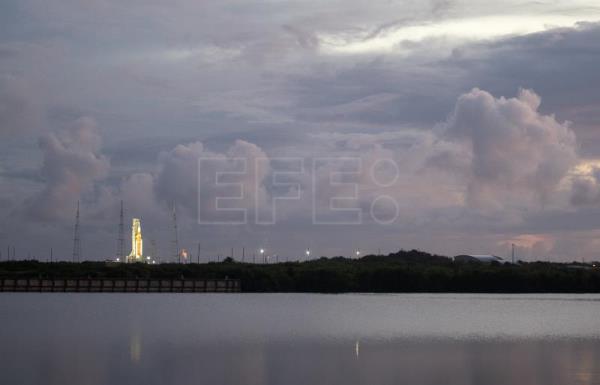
[(287, 339)]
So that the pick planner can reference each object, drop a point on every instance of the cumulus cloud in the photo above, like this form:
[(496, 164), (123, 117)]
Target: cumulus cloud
[(385, 173), (513, 151), (72, 164), (493, 155), (138, 191), (585, 189), (196, 179)]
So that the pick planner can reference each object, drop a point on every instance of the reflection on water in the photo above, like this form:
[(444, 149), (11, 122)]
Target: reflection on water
[(135, 347), (299, 339)]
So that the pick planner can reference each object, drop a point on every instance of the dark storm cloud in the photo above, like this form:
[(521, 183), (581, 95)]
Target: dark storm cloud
[(187, 78), (560, 64), (19, 110)]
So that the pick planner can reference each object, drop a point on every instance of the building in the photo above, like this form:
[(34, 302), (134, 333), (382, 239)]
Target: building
[(478, 258), (137, 242)]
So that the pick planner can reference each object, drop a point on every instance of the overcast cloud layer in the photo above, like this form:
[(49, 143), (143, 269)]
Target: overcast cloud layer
[(464, 126)]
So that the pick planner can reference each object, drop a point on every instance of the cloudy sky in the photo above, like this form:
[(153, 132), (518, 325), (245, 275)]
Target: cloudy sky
[(448, 126)]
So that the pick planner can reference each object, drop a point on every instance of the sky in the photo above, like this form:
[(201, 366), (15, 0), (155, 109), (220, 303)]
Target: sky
[(454, 127)]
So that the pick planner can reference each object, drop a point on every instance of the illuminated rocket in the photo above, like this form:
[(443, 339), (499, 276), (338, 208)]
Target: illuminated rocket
[(137, 243)]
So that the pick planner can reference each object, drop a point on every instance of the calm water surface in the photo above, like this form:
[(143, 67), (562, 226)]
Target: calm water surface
[(286, 339)]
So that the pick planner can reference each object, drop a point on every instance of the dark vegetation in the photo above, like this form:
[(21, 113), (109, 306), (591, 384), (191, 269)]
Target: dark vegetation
[(405, 271)]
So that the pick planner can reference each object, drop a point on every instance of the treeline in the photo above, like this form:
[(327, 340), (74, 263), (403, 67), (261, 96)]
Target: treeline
[(404, 271)]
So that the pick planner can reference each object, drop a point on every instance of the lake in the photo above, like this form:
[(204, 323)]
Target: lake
[(286, 339)]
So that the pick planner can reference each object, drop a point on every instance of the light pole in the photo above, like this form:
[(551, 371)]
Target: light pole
[(307, 253), (262, 252)]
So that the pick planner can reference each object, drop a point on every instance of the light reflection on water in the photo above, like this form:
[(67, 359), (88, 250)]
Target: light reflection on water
[(135, 347), (299, 339)]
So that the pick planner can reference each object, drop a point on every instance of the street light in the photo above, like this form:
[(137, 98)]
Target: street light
[(262, 252), (357, 253)]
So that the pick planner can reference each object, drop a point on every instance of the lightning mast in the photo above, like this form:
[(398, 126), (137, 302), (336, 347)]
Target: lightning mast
[(175, 236), (76, 239), (513, 253), (121, 238), (154, 250)]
